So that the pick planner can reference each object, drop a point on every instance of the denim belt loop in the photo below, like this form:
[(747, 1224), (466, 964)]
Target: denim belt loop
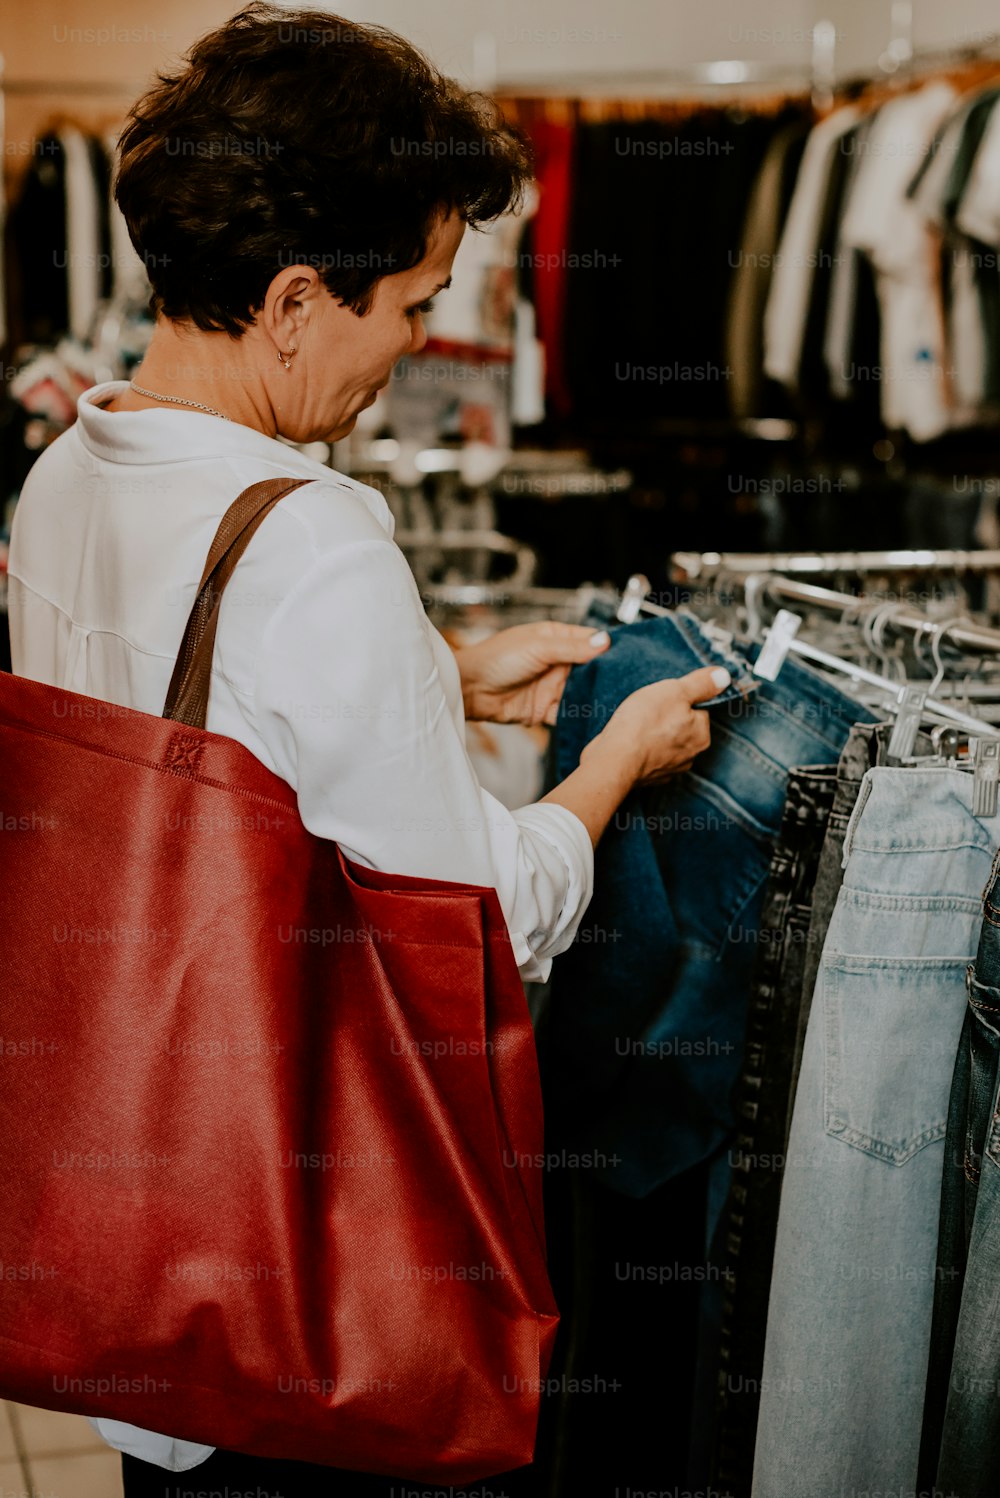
[(856, 814)]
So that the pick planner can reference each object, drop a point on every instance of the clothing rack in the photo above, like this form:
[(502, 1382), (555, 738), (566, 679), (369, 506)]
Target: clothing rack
[(971, 638), (977, 641), (493, 595), (524, 557), (715, 564)]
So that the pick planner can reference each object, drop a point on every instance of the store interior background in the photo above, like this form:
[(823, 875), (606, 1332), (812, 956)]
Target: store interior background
[(685, 467), (683, 496)]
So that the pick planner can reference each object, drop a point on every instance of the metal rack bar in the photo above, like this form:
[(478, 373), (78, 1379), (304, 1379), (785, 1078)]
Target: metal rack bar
[(719, 73), (524, 557), (712, 563), (462, 595), (973, 639)]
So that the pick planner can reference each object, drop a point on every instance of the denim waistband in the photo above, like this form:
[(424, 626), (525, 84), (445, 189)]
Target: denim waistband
[(916, 810), (807, 697), (798, 689)]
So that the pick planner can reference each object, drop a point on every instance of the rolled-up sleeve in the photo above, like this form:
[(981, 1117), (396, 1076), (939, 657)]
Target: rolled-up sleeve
[(358, 700)]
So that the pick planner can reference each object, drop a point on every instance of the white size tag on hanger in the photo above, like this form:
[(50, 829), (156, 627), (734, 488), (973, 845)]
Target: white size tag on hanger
[(775, 648), (907, 725), (986, 778)]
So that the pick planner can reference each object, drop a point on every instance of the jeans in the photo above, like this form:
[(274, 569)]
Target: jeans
[(855, 762), (648, 1007), (756, 1158), (866, 747), (961, 1441), (853, 1281)]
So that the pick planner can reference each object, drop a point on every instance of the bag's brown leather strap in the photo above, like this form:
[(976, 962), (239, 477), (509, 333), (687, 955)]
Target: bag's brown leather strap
[(187, 695)]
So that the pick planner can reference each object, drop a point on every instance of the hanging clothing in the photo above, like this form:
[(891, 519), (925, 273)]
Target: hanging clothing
[(882, 222), (805, 880), (547, 244), (766, 214), (84, 238), (40, 305), (791, 286), (647, 1012), (960, 1451), (849, 1320), (645, 317), (757, 1151)]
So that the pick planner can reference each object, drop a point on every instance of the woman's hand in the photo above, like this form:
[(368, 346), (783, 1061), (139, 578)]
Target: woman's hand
[(659, 730), (518, 674), (656, 732)]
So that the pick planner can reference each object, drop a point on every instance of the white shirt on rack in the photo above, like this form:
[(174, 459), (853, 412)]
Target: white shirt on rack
[(891, 229), (326, 666), (795, 261)]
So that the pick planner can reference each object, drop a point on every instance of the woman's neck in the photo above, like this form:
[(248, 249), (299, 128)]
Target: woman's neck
[(212, 369)]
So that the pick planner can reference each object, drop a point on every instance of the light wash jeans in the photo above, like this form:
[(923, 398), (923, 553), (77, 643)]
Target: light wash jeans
[(852, 1292)]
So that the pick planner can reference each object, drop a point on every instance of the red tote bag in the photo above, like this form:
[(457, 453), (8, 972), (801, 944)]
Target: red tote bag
[(271, 1122)]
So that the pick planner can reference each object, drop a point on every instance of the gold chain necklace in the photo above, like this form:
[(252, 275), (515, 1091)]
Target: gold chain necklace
[(175, 400)]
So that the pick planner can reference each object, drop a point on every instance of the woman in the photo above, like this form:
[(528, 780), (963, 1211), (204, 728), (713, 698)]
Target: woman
[(298, 192)]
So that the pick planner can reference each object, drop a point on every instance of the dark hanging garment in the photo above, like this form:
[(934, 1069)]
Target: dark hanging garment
[(101, 168), (37, 238), (657, 211)]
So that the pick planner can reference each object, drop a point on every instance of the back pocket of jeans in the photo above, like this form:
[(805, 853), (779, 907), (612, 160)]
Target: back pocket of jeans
[(892, 1029)]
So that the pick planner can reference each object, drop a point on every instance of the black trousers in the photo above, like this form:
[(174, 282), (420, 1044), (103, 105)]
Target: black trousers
[(229, 1474)]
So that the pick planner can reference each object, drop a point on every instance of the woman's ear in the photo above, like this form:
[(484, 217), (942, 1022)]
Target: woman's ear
[(286, 309)]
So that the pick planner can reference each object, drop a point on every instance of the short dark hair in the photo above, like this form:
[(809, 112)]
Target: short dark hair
[(299, 137)]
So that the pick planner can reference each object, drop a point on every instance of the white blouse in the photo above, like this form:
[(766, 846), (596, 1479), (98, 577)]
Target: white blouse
[(326, 666)]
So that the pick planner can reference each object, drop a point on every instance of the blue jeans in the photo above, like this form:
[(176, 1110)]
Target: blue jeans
[(756, 1155), (961, 1443), (852, 1288), (645, 1028)]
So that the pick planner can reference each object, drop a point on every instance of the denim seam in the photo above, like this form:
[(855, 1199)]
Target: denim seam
[(852, 824), (718, 796), (906, 849), (815, 731), (856, 894), (838, 1128), (860, 965), (751, 883)]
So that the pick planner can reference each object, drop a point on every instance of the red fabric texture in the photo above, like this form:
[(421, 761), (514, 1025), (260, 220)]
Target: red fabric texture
[(553, 151)]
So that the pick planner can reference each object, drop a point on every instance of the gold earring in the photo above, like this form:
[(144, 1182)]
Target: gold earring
[(286, 359)]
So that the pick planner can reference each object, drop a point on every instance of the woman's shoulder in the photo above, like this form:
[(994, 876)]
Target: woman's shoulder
[(328, 511)]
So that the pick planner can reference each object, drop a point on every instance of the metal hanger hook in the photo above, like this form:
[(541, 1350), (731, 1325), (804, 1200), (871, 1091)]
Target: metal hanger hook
[(873, 629), (753, 587), (938, 632)]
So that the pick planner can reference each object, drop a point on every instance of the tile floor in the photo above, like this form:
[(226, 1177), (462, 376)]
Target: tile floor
[(48, 1455)]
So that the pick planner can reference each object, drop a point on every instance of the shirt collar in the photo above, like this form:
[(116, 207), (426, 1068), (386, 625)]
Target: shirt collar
[(181, 436)]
